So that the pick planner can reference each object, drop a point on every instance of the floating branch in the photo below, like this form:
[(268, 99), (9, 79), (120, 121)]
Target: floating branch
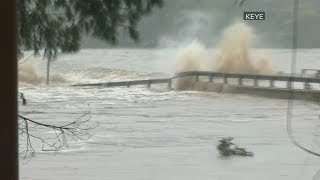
[(228, 148)]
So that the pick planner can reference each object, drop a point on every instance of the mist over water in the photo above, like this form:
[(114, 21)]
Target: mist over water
[(29, 73), (234, 55), (190, 59), (190, 25)]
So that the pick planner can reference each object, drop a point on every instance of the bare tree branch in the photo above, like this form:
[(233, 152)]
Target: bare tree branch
[(78, 129)]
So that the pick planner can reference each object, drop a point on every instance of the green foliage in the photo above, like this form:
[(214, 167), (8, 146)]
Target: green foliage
[(227, 148), (57, 25)]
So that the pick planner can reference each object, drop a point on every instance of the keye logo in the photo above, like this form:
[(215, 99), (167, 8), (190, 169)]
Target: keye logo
[(254, 15)]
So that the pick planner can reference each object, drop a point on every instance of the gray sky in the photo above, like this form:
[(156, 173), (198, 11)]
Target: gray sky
[(180, 21)]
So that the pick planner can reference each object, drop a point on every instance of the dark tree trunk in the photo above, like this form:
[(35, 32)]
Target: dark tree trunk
[(8, 94)]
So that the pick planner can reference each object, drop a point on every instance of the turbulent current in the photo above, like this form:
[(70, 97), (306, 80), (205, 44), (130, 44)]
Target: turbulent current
[(159, 134), (156, 133)]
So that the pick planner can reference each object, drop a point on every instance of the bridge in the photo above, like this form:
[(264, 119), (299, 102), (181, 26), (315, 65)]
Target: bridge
[(225, 77), (147, 82)]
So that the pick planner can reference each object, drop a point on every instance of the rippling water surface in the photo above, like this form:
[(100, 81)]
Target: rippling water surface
[(160, 134)]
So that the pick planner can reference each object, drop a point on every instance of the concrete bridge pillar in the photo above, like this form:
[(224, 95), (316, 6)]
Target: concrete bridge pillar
[(289, 84), (272, 83), (211, 78), (306, 86), (255, 82), (170, 84), (240, 81), (225, 79)]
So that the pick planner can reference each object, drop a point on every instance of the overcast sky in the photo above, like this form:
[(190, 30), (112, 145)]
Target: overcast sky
[(180, 21)]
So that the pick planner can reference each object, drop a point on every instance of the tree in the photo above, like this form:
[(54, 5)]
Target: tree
[(57, 25), (54, 26)]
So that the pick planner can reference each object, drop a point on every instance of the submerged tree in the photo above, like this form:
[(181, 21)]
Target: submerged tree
[(57, 25), (227, 148)]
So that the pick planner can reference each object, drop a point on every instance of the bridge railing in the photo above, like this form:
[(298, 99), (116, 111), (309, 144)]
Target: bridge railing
[(211, 75), (147, 82), (249, 76)]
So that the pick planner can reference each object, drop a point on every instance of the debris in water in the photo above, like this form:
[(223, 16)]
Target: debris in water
[(228, 148)]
